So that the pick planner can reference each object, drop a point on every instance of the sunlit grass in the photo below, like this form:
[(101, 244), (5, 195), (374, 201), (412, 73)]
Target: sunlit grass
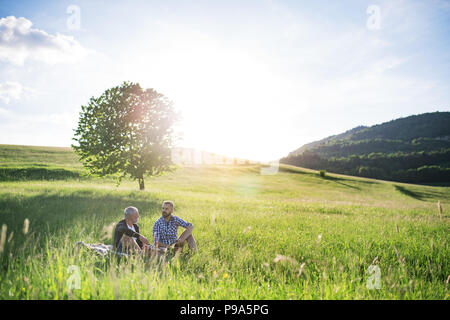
[(243, 220)]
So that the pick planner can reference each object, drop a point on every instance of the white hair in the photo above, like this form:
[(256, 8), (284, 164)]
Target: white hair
[(129, 211)]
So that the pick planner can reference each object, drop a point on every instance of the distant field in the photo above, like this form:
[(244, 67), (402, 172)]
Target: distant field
[(292, 235), (38, 163), (12, 155)]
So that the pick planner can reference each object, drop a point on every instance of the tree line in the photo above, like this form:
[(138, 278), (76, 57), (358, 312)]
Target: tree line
[(413, 167)]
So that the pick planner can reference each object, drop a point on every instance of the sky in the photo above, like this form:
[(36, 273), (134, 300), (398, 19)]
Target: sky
[(251, 79)]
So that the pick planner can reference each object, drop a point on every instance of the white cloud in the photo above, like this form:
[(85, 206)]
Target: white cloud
[(62, 119), (5, 113), (19, 42), (11, 90)]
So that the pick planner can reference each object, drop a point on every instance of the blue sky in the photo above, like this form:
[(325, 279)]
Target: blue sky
[(253, 79)]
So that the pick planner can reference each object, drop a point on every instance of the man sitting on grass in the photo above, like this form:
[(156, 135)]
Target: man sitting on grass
[(126, 234), (165, 230)]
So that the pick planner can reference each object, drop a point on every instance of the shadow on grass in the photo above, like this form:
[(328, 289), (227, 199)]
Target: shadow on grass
[(327, 177), (80, 215), (421, 196), (408, 193), (39, 173), (337, 180)]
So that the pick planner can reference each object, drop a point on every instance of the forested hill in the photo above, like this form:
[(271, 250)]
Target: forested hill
[(411, 149), (327, 139)]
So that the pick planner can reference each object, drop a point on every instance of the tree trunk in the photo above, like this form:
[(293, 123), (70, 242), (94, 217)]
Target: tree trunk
[(141, 183)]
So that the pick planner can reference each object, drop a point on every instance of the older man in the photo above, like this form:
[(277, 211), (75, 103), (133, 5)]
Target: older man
[(126, 234), (165, 230)]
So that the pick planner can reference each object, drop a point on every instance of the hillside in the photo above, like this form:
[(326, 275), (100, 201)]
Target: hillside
[(411, 149), (35, 163), (314, 144)]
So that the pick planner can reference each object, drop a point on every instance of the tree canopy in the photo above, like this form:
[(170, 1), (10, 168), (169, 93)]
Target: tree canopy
[(126, 131)]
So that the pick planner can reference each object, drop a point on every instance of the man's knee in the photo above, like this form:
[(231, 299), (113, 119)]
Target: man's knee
[(126, 240), (191, 242)]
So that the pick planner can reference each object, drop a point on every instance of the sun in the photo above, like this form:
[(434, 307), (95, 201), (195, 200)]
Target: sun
[(228, 103)]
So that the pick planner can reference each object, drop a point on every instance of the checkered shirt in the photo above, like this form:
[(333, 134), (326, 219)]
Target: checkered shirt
[(166, 232)]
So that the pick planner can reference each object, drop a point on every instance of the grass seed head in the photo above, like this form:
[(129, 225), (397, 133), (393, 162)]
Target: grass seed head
[(300, 271), (3, 237), (26, 225), (108, 231), (439, 209)]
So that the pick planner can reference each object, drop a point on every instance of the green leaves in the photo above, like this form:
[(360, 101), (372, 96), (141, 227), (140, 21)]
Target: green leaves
[(126, 131)]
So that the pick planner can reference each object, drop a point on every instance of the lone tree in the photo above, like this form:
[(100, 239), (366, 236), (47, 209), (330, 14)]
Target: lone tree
[(126, 131)]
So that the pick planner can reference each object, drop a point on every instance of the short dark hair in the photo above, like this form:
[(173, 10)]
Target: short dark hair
[(169, 202)]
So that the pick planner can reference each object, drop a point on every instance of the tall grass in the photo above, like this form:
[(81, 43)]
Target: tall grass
[(293, 235)]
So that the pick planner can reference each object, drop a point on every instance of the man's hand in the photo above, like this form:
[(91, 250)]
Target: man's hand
[(143, 239), (178, 243), (160, 245)]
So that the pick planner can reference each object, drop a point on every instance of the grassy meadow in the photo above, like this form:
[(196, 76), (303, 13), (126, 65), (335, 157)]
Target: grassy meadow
[(291, 235)]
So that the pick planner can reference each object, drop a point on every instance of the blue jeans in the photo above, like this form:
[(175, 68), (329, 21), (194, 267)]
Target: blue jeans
[(119, 247)]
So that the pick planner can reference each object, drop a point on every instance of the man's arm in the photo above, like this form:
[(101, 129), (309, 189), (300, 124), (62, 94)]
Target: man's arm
[(180, 222), (123, 229), (186, 233)]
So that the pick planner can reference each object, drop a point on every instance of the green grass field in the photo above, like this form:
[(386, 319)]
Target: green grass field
[(292, 235)]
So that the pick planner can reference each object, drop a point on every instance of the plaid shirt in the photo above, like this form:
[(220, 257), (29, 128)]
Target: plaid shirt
[(166, 232)]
